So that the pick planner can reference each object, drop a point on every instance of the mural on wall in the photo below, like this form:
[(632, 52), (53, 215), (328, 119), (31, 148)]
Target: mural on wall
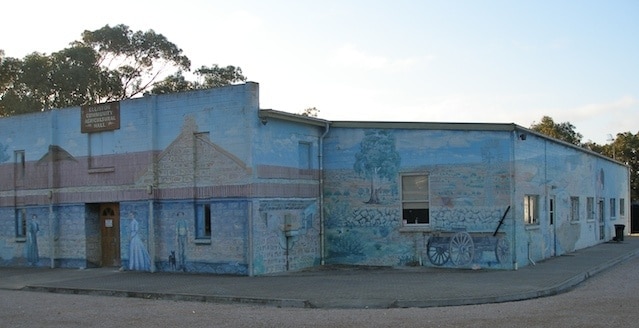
[(377, 159), (467, 186), (32, 241), (3, 153), (213, 164), (138, 255), (287, 237)]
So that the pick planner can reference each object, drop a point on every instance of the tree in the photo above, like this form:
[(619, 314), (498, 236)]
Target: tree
[(108, 64), (311, 112), (625, 148), (563, 131), (137, 58), (212, 77), (377, 159)]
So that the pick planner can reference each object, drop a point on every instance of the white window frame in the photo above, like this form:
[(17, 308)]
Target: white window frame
[(574, 209), (590, 208), (415, 202), (531, 209), (622, 207), (613, 208)]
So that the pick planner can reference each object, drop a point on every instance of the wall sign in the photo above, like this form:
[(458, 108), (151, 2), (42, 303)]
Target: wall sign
[(100, 117)]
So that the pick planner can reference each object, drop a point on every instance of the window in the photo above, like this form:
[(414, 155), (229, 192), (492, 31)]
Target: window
[(531, 209), (203, 222), (415, 202), (551, 210), (21, 223), (19, 167), (590, 208), (622, 207), (101, 145), (613, 207), (574, 209), (304, 153)]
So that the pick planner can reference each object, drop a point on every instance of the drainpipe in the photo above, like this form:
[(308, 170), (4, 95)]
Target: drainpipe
[(512, 199), (321, 194), (150, 189), (50, 192)]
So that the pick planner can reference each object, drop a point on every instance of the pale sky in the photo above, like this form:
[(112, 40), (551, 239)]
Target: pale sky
[(399, 60)]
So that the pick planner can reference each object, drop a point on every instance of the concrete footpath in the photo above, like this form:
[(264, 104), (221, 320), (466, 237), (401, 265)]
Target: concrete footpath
[(336, 286)]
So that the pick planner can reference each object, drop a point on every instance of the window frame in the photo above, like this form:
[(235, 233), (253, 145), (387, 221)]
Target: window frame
[(574, 209), (21, 224), (203, 223), (613, 208), (410, 203), (531, 209), (590, 209), (622, 207)]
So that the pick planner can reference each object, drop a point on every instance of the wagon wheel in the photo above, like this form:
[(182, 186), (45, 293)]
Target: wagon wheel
[(462, 249), (502, 250), (437, 254)]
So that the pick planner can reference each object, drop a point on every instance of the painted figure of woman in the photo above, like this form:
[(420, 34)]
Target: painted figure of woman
[(138, 255), (32, 242), (181, 240)]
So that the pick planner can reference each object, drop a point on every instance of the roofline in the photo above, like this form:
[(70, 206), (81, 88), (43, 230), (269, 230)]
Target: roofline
[(266, 114)]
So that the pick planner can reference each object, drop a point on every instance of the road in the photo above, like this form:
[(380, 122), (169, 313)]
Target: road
[(610, 299)]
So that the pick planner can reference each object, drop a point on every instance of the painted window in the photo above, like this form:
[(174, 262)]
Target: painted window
[(590, 208), (531, 209), (21, 223), (551, 210), (19, 165), (203, 222), (100, 146), (415, 200), (613, 207), (622, 207), (574, 209), (304, 153)]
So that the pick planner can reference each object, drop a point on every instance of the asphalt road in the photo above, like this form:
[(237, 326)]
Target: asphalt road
[(609, 299)]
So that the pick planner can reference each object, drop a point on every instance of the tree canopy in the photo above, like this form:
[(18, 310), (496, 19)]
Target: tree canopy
[(110, 63), (624, 148), (563, 131)]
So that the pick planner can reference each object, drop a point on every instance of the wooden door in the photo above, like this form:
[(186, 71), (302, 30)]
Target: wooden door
[(110, 231)]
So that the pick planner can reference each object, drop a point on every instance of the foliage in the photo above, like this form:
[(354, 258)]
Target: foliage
[(213, 77), (624, 147), (310, 112), (377, 158), (108, 64), (563, 131)]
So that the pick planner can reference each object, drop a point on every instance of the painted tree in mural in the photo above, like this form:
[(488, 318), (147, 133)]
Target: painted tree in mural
[(377, 159)]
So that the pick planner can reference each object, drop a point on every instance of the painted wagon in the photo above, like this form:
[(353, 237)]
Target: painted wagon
[(460, 247)]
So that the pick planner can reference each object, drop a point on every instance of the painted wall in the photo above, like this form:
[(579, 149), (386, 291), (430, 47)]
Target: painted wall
[(469, 183), (172, 155), (553, 170)]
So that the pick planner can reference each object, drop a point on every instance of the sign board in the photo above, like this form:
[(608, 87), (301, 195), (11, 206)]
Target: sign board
[(100, 117)]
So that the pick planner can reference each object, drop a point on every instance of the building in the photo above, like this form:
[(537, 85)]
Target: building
[(206, 181)]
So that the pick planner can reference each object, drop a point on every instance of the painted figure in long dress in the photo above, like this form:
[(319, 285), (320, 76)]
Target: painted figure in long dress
[(138, 255), (32, 242)]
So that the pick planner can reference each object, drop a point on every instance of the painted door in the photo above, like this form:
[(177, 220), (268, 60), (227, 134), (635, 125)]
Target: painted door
[(110, 231), (602, 222), (552, 215)]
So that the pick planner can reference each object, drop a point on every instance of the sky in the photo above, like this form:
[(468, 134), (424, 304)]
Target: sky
[(576, 61)]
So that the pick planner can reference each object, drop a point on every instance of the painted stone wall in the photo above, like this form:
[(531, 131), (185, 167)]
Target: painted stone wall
[(469, 184), (286, 235)]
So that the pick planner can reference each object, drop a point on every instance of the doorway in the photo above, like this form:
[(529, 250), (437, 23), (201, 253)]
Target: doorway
[(110, 234)]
